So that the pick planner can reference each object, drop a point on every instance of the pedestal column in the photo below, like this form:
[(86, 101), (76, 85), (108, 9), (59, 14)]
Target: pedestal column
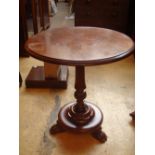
[(80, 116)]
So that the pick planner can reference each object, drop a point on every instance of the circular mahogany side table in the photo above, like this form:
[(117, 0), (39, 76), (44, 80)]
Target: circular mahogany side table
[(80, 47)]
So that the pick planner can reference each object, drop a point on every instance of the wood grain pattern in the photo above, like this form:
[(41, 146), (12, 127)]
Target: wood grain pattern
[(79, 46)]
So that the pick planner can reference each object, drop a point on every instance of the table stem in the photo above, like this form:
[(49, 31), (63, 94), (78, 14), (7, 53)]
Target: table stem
[(80, 85)]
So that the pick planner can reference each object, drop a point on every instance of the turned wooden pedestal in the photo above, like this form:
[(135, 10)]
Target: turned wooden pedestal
[(80, 116), (80, 47)]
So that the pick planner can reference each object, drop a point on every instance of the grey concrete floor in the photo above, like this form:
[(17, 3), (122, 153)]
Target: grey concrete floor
[(110, 86)]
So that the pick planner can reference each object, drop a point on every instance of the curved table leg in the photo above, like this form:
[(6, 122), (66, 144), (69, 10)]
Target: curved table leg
[(56, 128), (132, 114), (99, 135), (80, 116)]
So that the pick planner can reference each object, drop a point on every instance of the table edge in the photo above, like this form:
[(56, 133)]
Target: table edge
[(79, 62)]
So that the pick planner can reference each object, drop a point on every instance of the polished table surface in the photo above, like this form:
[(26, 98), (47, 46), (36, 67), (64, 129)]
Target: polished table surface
[(80, 46)]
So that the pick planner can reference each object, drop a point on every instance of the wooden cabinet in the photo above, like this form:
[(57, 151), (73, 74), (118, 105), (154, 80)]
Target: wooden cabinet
[(112, 14), (45, 14), (33, 18), (23, 29), (37, 15)]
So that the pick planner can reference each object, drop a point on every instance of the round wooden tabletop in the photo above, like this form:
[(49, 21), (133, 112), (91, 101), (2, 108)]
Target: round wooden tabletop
[(79, 45)]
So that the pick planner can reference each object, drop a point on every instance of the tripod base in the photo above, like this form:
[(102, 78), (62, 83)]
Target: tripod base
[(93, 127)]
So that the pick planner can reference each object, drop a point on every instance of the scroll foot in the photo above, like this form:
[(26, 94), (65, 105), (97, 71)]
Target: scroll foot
[(56, 128), (133, 115), (100, 135)]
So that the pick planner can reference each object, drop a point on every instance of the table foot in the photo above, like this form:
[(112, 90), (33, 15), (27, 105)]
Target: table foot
[(93, 127), (100, 135), (56, 128), (133, 115)]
